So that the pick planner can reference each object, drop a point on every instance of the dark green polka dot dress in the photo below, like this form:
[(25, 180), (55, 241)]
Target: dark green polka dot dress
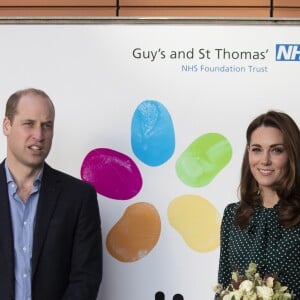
[(265, 242)]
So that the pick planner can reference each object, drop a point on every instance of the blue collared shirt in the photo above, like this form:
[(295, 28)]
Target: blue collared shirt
[(23, 221)]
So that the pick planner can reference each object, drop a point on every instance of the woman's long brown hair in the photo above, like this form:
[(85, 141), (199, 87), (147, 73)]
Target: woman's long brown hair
[(288, 188)]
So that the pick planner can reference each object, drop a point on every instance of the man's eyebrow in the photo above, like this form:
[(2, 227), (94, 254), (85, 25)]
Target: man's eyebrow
[(32, 120), (27, 120)]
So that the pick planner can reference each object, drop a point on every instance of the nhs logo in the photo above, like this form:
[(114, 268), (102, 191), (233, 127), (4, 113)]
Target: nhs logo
[(288, 52)]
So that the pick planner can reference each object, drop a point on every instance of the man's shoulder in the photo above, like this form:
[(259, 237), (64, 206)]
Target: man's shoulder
[(65, 178)]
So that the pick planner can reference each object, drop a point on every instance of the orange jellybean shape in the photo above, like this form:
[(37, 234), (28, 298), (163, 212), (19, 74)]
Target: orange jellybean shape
[(135, 234)]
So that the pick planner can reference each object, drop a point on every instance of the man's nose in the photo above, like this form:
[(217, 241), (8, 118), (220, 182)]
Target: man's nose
[(38, 133)]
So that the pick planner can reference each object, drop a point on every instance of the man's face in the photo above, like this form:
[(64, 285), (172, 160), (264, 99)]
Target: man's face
[(29, 134)]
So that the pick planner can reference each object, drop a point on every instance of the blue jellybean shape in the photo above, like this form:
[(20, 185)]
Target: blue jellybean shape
[(152, 133)]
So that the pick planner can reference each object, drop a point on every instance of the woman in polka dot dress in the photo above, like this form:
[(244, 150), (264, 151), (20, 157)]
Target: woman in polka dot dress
[(264, 227)]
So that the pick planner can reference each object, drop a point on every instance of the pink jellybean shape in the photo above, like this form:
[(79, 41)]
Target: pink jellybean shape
[(113, 174)]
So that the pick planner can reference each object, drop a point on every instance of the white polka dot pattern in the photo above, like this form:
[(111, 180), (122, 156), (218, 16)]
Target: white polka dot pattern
[(265, 242)]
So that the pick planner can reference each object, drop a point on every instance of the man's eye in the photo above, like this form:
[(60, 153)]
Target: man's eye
[(48, 126)]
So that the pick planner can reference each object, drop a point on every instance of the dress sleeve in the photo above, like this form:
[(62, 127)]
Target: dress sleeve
[(224, 274)]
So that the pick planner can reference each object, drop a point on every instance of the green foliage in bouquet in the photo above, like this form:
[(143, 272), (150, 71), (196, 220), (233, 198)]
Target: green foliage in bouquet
[(252, 286)]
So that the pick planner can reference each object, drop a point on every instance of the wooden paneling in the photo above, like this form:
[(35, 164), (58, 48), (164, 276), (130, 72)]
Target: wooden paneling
[(193, 12), (286, 8), (57, 11), (174, 3), (286, 3), (286, 13), (58, 8), (195, 8), (50, 3), (151, 8)]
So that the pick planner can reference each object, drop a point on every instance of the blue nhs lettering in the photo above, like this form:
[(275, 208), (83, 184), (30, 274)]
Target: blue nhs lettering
[(288, 52)]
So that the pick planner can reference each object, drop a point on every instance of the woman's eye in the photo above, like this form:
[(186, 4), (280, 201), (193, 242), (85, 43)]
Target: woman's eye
[(277, 150)]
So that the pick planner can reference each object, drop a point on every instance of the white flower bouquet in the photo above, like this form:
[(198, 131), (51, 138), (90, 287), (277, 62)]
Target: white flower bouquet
[(252, 286)]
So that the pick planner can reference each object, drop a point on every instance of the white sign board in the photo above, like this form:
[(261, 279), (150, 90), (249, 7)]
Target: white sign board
[(154, 115)]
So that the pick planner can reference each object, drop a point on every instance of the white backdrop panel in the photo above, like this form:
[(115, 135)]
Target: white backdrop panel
[(97, 80)]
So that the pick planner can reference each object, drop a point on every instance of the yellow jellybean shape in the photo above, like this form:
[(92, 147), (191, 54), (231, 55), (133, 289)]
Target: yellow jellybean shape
[(197, 221)]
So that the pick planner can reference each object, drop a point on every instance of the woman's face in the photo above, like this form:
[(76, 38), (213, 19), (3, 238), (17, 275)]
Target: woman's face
[(268, 158)]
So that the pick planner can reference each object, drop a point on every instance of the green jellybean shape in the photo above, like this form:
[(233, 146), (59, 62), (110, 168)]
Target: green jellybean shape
[(201, 161)]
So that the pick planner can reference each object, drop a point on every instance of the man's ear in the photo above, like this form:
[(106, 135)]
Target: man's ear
[(6, 126)]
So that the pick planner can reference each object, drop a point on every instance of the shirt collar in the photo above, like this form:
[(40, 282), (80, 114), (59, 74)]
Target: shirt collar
[(10, 179)]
